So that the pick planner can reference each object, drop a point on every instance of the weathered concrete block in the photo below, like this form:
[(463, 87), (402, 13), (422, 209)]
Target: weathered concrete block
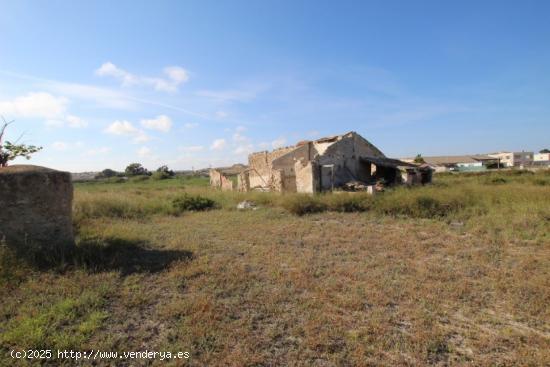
[(36, 208)]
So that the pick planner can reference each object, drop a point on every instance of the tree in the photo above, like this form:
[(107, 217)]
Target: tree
[(106, 173), (162, 173), (545, 151), (9, 151), (136, 169), (419, 159), (166, 170)]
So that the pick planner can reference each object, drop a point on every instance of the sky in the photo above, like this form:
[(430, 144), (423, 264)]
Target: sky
[(195, 84)]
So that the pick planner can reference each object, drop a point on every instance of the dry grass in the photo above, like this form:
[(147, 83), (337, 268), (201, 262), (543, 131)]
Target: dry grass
[(389, 284)]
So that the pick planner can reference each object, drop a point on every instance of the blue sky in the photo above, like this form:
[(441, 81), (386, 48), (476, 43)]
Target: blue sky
[(197, 83)]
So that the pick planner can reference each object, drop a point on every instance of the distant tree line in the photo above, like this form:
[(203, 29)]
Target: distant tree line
[(135, 170)]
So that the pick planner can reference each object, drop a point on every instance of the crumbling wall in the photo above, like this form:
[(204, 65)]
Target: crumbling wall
[(215, 178), (261, 169), (220, 181), (243, 181), (36, 208), (307, 180)]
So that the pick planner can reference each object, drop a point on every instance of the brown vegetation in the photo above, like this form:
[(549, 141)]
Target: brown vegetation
[(453, 273)]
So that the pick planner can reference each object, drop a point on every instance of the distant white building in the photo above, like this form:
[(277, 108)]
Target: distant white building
[(541, 159), (473, 162), (514, 159)]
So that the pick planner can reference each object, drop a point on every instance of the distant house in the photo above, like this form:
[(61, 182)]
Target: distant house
[(541, 159), (514, 159), (475, 162)]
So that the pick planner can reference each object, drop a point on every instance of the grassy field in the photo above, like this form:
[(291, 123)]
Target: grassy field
[(454, 273)]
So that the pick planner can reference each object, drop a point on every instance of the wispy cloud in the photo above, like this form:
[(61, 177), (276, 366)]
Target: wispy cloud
[(34, 105), (218, 144), (125, 128), (245, 94), (174, 76), (103, 97), (161, 123), (71, 121)]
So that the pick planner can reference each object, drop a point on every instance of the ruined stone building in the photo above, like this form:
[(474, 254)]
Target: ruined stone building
[(327, 164)]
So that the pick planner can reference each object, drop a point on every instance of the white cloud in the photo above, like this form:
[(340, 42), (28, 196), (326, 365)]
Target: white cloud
[(144, 152), (110, 69), (71, 121), (125, 128), (121, 128), (161, 123), (190, 125), (218, 144), (60, 145), (103, 97), (191, 149), (175, 76), (75, 121), (240, 129), (34, 105), (264, 145), (222, 114), (278, 143)]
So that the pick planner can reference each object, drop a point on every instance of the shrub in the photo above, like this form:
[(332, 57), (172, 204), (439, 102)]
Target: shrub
[(193, 203), (106, 173), (160, 175), (166, 170), (541, 182), (135, 169), (303, 204), (348, 203), (420, 206)]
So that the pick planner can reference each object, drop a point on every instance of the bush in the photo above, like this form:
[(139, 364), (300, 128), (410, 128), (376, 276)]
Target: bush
[(193, 203), (135, 169), (106, 173), (166, 170), (304, 204), (160, 175), (347, 203), (421, 206)]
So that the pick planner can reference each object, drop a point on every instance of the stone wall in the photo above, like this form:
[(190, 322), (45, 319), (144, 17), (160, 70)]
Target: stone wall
[(220, 181), (261, 170), (306, 176), (36, 208)]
